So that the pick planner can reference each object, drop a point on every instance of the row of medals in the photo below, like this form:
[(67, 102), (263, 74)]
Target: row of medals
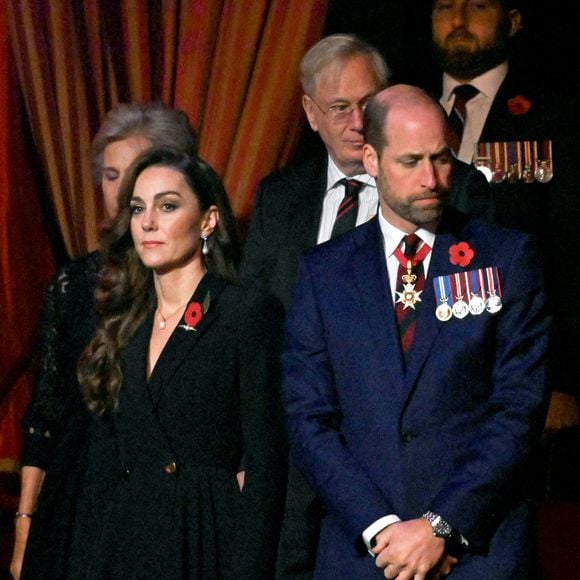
[(526, 161), (460, 309)]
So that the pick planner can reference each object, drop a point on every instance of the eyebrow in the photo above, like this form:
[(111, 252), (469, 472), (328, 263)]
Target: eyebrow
[(158, 195)]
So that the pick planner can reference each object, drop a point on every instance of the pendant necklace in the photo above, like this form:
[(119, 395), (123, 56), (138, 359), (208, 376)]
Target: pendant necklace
[(164, 319)]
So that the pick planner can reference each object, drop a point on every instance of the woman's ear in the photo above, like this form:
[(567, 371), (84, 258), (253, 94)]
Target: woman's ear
[(210, 221)]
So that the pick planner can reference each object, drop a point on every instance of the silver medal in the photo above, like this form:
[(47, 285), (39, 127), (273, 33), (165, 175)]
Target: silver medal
[(460, 309), (476, 305), (493, 304)]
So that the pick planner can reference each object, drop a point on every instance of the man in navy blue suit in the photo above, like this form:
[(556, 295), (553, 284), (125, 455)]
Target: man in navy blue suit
[(414, 371)]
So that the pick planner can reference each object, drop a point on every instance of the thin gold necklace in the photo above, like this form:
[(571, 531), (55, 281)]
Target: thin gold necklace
[(164, 319)]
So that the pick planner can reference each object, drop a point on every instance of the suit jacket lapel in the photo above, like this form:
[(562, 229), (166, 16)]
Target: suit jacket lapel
[(182, 341), (372, 280), (428, 326)]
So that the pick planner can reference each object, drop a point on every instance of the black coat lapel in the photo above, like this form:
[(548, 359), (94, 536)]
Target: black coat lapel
[(182, 339)]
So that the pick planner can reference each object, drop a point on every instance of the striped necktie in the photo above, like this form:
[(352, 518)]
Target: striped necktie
[(348, 209), (410, 284), (458, 115)]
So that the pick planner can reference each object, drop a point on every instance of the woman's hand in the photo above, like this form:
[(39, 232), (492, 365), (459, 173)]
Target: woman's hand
[(22, 526), (241, 477)]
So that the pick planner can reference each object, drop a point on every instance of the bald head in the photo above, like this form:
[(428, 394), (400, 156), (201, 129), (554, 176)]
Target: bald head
[(407, 152), (392, 102)]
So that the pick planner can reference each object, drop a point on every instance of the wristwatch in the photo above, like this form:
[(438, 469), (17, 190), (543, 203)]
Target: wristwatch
[(456, 544), (441, 528)]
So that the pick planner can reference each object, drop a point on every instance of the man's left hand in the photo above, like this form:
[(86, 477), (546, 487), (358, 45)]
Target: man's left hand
[(407, 550)]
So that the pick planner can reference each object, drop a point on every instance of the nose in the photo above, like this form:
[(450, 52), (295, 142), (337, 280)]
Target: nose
[(458, 16), (356, 118), (430, 177), (148, 220)]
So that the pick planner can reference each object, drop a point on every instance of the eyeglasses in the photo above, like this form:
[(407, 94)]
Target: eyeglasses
[(341, 113)]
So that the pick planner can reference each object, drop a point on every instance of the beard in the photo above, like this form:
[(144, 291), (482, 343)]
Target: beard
[(461, 62), (419, 216)]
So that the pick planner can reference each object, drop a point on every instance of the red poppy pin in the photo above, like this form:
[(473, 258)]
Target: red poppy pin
[(461, 254), (194, 313), (518, 105)]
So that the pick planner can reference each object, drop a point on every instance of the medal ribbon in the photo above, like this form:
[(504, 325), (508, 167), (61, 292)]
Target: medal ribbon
[(442, 289), (475, 285), (457, 287), (493, 284), (418, 257)]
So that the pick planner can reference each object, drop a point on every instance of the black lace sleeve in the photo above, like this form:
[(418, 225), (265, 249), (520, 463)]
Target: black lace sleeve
[(66, 325)]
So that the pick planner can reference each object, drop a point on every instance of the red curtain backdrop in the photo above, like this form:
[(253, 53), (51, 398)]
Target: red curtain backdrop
[(26, 261), (231, 65)]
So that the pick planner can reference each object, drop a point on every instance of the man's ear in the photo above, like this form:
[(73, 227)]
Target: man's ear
[(515, 21), (370, 160), (309, 107)]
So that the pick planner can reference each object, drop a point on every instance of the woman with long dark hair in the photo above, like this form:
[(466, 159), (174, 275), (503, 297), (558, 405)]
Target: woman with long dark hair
[(184, 471), (55, 421)]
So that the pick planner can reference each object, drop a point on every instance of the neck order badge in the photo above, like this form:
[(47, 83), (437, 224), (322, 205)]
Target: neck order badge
[(411, 279)]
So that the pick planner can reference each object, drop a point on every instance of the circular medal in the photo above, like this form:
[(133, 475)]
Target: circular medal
[(498, 174), (476, 305), (493, 304), (443, 312), (460, 309)]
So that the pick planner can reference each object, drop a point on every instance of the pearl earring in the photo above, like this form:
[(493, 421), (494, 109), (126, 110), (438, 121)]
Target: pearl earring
[(205, 246)]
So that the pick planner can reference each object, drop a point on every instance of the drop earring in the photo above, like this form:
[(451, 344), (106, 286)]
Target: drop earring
[(205, 246)]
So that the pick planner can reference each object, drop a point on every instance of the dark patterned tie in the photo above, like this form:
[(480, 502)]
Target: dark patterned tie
[(348, 209), (458, 115), (408, 293)]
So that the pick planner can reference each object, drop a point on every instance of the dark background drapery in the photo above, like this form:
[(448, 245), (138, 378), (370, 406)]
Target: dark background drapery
[(231, 65)]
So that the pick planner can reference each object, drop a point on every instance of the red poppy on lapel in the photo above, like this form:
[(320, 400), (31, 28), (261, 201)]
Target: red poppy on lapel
[(194, 313), (518, 105), (192, 316), (461, 254)]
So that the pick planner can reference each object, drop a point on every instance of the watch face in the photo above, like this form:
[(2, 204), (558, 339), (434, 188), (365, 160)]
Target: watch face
[(442, 529)]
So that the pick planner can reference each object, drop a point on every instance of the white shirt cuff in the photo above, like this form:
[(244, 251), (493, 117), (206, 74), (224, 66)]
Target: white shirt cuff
[(375, 528)]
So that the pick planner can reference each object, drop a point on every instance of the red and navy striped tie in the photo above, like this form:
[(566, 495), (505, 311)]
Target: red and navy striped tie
[(406, 317), (348, 209)]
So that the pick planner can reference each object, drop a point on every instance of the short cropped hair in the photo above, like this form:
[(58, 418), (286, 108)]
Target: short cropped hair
[(163, 126), (335, 49)]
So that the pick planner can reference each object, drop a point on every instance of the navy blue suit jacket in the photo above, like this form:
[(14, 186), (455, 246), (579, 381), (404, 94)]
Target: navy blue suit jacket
[(451, 433)]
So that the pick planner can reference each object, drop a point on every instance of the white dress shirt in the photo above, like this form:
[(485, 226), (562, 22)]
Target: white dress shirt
[(368, 200), (477, 108)]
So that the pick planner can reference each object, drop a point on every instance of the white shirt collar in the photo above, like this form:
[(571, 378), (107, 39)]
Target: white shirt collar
[(487, 84), (334, 174), (393, 235)]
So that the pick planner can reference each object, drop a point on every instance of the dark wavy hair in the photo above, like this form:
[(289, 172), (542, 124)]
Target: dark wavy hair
[(125, 290)]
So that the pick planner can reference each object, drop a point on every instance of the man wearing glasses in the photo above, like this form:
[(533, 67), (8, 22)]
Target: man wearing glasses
[(297, 208), (307, 204)]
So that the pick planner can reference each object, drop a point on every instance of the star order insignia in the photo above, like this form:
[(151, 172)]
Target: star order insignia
[(409, 296)]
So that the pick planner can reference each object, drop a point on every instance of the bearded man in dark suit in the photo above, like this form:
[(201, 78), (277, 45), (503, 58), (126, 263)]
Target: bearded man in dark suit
[(414, 371), (520, 132), (296, 208)]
